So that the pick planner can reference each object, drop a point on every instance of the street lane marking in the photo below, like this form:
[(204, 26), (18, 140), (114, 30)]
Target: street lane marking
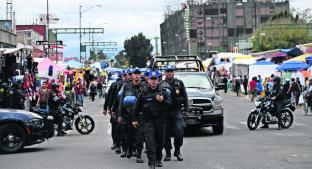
[(232, 127)]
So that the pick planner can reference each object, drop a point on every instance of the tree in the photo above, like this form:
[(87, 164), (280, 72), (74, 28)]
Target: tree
[(102, 56), (121, 60), (265, 39), (92, 56), (138, 50)]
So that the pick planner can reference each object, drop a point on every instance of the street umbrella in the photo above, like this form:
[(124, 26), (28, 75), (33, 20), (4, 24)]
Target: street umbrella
[(293, 66)]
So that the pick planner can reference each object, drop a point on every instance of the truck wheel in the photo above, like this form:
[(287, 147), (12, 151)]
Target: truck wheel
[(12, 138), (217, 130)]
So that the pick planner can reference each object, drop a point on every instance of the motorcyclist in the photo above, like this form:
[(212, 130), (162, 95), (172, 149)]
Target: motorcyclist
[(279, 96), (54, 103)]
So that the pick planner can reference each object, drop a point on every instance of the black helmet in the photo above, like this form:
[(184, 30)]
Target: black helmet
[(55, 86), (276, 79)]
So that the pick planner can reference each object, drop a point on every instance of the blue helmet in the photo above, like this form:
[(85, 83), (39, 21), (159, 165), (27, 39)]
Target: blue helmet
[(154, 74), (129, 71), (124, 72), (169, 68), (147, 72), (136, 70), (119, 94), (129, 101)]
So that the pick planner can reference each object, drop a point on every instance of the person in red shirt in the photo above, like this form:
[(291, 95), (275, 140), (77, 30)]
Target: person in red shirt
[(252, 88)]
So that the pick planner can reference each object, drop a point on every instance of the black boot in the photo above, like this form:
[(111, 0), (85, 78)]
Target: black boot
[(159, 164), (279, 127), (138, 158), (123, 154), (118, 150), (113, 147), (129, 154), (177, 154), (265, 126), (151, 166), (168, 156)]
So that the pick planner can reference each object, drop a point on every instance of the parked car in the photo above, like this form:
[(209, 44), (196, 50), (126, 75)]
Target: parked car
[(19, 128)]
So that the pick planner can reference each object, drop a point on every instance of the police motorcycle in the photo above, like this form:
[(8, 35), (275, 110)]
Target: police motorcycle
[(72, 114), (265, 111)]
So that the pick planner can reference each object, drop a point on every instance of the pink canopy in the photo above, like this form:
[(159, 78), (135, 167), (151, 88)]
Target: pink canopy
[(44, 65)]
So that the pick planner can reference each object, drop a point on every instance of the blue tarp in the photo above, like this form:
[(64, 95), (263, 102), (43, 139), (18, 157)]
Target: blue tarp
[(292, 52), (293, 66), (263, 62), (74, 63), (309, 58)]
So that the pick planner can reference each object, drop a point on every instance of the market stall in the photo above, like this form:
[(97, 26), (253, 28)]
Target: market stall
[(263, 68)]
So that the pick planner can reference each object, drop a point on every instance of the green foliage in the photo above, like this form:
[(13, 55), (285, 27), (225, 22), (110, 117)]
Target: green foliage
[(92, 56), (102, 56), (138, 50), (121, 60), (282, 38)]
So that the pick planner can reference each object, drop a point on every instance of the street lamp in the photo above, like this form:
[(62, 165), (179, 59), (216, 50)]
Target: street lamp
[(80, 16)]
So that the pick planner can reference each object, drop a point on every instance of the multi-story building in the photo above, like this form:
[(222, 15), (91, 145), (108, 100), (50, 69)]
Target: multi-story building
[(7, 34), (214, 25)]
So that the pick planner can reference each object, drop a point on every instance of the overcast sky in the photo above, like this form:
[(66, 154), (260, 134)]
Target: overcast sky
[(121, 19)]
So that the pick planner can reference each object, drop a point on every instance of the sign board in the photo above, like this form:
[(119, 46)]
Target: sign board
[(52, 19), (51, 43)]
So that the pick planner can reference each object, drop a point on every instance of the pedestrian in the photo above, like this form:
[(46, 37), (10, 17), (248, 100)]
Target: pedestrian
[(225, 81), (100, 87), (259, 87), (150, 106), (245, 84), (237, 86), (93, 88), (43, 96), (175, 124), (79, 90), (295, 91), (252, 88)]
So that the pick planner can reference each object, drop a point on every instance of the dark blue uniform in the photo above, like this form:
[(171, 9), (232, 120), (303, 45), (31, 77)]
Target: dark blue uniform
[(175, 124), (150, 112)]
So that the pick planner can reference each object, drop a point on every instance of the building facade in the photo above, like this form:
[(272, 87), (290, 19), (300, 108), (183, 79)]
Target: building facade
[(198, 28)]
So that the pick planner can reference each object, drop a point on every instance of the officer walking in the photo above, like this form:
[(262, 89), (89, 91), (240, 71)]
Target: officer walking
[(54, 103), (175, 124), (125, 113), (150, 105)]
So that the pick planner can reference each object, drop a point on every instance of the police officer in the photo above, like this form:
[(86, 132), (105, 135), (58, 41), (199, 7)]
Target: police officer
[(14, 98), (150, 105), (279, 96), (175, 124), (114, 109), (132, 88), (54, 103), (109, 100)]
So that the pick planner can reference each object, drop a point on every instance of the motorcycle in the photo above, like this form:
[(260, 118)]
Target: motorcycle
[(265, 111), (73, 115)]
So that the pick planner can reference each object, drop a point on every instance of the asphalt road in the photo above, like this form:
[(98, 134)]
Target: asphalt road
[(237, 148)]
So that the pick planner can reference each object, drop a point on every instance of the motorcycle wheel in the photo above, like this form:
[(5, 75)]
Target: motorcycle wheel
[(287, 119), (253, 121), (306, 108), (84, 125)]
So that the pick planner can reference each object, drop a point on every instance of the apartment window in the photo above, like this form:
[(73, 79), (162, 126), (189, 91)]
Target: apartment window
[(211, 12), (223, 10), (264, 19), (193, 33), (201, 44), (248, 30)]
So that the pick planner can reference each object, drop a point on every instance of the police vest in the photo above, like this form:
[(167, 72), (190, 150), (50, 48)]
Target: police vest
[(151, 107)]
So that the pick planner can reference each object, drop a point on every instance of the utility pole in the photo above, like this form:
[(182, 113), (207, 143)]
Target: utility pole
[(80, 6), (48, 27)]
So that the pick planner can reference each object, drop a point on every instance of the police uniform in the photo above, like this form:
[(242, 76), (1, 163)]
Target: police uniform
[(129, 144), (152, 112), (175, 124), (14, 98), (54, 103)]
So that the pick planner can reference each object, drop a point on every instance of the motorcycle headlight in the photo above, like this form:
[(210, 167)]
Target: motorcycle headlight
[(257, 103)]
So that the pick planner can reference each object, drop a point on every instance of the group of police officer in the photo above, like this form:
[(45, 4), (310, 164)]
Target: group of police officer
[(147, 110)]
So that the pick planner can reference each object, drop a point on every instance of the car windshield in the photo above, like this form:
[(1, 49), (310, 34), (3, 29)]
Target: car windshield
[(199, 81)]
